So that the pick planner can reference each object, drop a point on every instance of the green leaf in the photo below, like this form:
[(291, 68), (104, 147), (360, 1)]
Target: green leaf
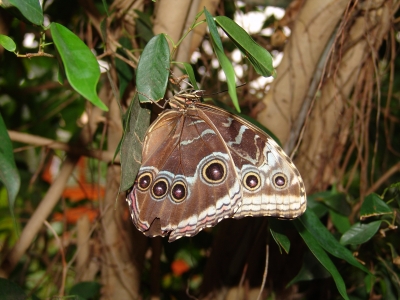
[(125, 75), (341, 222), (395, 185), (259, 57), (132, 143), (311, 269), (213, 31), (337, 202), (144, 27), (153, 70), (8, 170), (189, 71), (86, 290), (223, 59), (103, 30), (124, 71), (369, 282), (28, 9), (360, 233), (81, 66), (326, 240), (314, 202), (277, 229), (395, 256), (315, 247), (7, 43), (106, 7), (10, 290), (373, 205)]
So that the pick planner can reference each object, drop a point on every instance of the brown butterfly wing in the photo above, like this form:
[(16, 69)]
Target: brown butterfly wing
[(272, 185), (183, 155), (185, 149)]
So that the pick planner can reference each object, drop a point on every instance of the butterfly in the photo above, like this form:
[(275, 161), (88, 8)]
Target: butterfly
[(202, 164)]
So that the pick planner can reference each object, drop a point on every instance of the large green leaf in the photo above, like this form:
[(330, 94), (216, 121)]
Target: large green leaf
[(7, 43), (8, 170), (29, 9), (223, 59), (153, 70), (259, 57), (326, 240), (341, 222), (337, 201), (132, 143), (373, 205), (81, 66), (314, 202), (360, 233), (315, 247)]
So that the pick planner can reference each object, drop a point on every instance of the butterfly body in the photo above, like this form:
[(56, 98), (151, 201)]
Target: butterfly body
[(201, 164)]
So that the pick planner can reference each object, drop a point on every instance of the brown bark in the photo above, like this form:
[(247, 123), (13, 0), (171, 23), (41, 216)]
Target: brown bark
[(331, 122), (325, 62), (122, 249), (313, 29), (87, 265), (175, 22)]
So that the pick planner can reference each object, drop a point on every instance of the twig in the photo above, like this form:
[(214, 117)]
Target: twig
[(383, 178), (242, 278), (64, 263), (265, 272), (30, 55), (92, 229), (49, 143)]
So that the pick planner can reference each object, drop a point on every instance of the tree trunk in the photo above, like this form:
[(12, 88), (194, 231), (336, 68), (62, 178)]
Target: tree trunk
[(324, 62)]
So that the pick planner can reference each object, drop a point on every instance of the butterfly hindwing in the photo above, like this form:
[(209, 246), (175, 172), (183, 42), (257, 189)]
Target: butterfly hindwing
[(272, 186)]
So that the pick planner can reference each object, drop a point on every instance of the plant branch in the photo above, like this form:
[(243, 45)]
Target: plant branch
[(383, 178), (64, 263), (35, 140), (30, 55)]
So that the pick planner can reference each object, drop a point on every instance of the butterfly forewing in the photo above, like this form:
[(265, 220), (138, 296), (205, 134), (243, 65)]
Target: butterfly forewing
[(207, 202), (173, 159)]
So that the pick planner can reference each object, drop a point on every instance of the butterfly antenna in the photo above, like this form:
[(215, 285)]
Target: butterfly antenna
[(224, 91)]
